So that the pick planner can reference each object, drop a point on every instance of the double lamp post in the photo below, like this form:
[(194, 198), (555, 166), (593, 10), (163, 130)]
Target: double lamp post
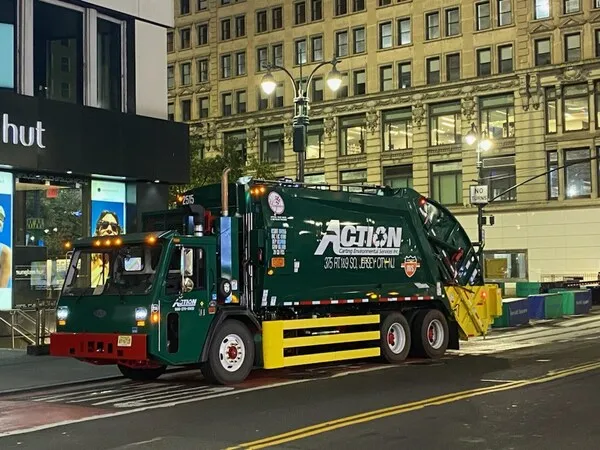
[(301, 104)]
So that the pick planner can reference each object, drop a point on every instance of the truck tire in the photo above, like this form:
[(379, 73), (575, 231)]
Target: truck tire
[(395, 338), (231, 354), (142, 374), (430, 334)]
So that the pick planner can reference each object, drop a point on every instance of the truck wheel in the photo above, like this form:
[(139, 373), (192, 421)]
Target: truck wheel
[(142, 374), (430, 334), (395, 338), (231, 354)]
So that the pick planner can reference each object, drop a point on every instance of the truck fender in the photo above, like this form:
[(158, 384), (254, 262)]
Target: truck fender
[(243, 315)]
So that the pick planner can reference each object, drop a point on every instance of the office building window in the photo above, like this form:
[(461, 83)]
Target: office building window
[(505, 58), (353, 177), (576, 107), (315, 179), (240, 67), (341, 7), (342, 92), (542, 9), (453, 67), (360, 44), (315, 146), (500, 175), (202, 5), (271, 144), (358, 5), (316, 10), (279, 96), (386, 78), (299, 13), (300, 52), (203, 70), (185, 38), (262, 58), (504, 12), (360, 82), (186, 110), (171, 111), (203, 34), (404, 31), (352, 136), (452, 22), (240, 26), (497, 116), (226, 66), (317, 48), (432, 23), (551, 110), (398, 177), (483, 18), (261, 21), (317, 89), (226, 104), (240, 102), (578, 173), (278, 54), (170, 42), (506, 266), (553, 185), (236, 140), (385, 35), (397, 129), (57, 34), (571, 6), (404, 75), (341, 43), (203, 107), (542, 52), (572, 47), (446, 182), (225, 29), (110, 64), (277, 16), (597, 43), (484, 62), (433, 70), (263, 100), (170, 77), (444, 123), (186, 73)]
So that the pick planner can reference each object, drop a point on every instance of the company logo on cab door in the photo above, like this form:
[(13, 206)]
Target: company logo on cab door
[(361, 240), (24, 135)]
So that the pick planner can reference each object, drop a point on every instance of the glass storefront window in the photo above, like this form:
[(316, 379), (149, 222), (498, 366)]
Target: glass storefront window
[(46, 215), (110, 65), (506, 265), (58, 52)]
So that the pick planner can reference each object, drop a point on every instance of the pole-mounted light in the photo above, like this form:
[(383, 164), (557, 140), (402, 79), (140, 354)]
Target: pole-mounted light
[(268, 83), (334, 79)]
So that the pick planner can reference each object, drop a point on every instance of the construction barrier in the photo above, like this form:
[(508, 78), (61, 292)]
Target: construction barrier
[(515, 312), (275, 344)]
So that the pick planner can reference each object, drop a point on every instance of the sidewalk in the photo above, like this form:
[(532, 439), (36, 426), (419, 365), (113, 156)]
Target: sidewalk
[(19, 371)]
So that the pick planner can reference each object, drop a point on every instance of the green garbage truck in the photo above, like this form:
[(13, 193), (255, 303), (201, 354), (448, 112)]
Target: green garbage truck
[(274, 274)]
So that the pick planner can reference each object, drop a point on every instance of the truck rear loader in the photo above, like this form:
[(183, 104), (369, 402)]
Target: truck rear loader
[(274, 274)]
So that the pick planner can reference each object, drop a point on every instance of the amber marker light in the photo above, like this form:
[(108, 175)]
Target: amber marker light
[(154, 317), (68, 245), (152, 240)]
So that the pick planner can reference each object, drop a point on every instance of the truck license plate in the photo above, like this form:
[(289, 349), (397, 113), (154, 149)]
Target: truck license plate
[(124, 341)]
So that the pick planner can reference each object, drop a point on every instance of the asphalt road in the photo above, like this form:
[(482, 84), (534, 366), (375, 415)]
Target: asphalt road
[(535, 397)]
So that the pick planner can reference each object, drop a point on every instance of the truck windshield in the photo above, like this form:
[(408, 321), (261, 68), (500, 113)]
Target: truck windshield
[(129, 270)]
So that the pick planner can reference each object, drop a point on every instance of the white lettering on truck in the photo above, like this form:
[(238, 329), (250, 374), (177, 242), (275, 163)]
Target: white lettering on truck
[(361, 240)]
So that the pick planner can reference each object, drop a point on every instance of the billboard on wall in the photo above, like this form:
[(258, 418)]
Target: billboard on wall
[(7, 56), (6, 241), (108, 208)]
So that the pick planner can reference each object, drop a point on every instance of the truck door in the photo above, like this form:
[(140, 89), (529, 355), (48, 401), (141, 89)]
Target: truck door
[(185, 309)]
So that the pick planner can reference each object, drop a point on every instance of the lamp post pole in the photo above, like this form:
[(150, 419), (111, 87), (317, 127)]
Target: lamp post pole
[(301, 118)]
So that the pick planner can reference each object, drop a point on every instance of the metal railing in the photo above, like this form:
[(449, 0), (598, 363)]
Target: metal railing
[(28, 323)]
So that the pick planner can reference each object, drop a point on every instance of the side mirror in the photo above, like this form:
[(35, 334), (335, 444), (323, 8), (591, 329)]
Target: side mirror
[(187, 262)]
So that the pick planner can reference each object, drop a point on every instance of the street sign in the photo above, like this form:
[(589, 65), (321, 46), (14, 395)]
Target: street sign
[(479, 195)]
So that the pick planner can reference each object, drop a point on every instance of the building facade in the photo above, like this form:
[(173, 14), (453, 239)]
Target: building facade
[(418, 76), (85, 144)]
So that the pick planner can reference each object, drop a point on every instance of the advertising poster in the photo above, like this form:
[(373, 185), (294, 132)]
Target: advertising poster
[(108, 219), (6, 243), (7, 45)]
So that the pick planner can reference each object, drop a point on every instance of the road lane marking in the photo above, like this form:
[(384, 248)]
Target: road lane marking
[(325, 427)]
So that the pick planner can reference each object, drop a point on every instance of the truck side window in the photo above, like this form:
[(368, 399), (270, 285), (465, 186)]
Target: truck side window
[(174, 274)]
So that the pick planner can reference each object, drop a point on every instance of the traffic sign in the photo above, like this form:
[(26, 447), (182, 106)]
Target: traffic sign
[(479, 195)]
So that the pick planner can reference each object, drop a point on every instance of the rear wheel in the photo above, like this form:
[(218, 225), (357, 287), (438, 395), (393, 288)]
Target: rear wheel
[(142, 374), (395, 338), (231, 354), (430, 334)]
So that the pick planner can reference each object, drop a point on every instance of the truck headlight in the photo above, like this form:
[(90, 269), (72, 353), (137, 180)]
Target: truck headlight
[(62, 313), (141, 314)]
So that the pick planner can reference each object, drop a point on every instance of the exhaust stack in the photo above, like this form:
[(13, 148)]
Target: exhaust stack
[(225, 192)]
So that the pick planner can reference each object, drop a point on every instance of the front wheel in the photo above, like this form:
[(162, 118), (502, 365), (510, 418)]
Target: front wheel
[(231, 354), (430, 334), (142, 374)]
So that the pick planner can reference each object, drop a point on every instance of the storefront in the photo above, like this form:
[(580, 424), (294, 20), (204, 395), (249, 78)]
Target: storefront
[(68, 171)]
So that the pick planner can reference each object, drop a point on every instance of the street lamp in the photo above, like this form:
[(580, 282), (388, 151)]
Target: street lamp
[(301, 101), (479, 193)]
